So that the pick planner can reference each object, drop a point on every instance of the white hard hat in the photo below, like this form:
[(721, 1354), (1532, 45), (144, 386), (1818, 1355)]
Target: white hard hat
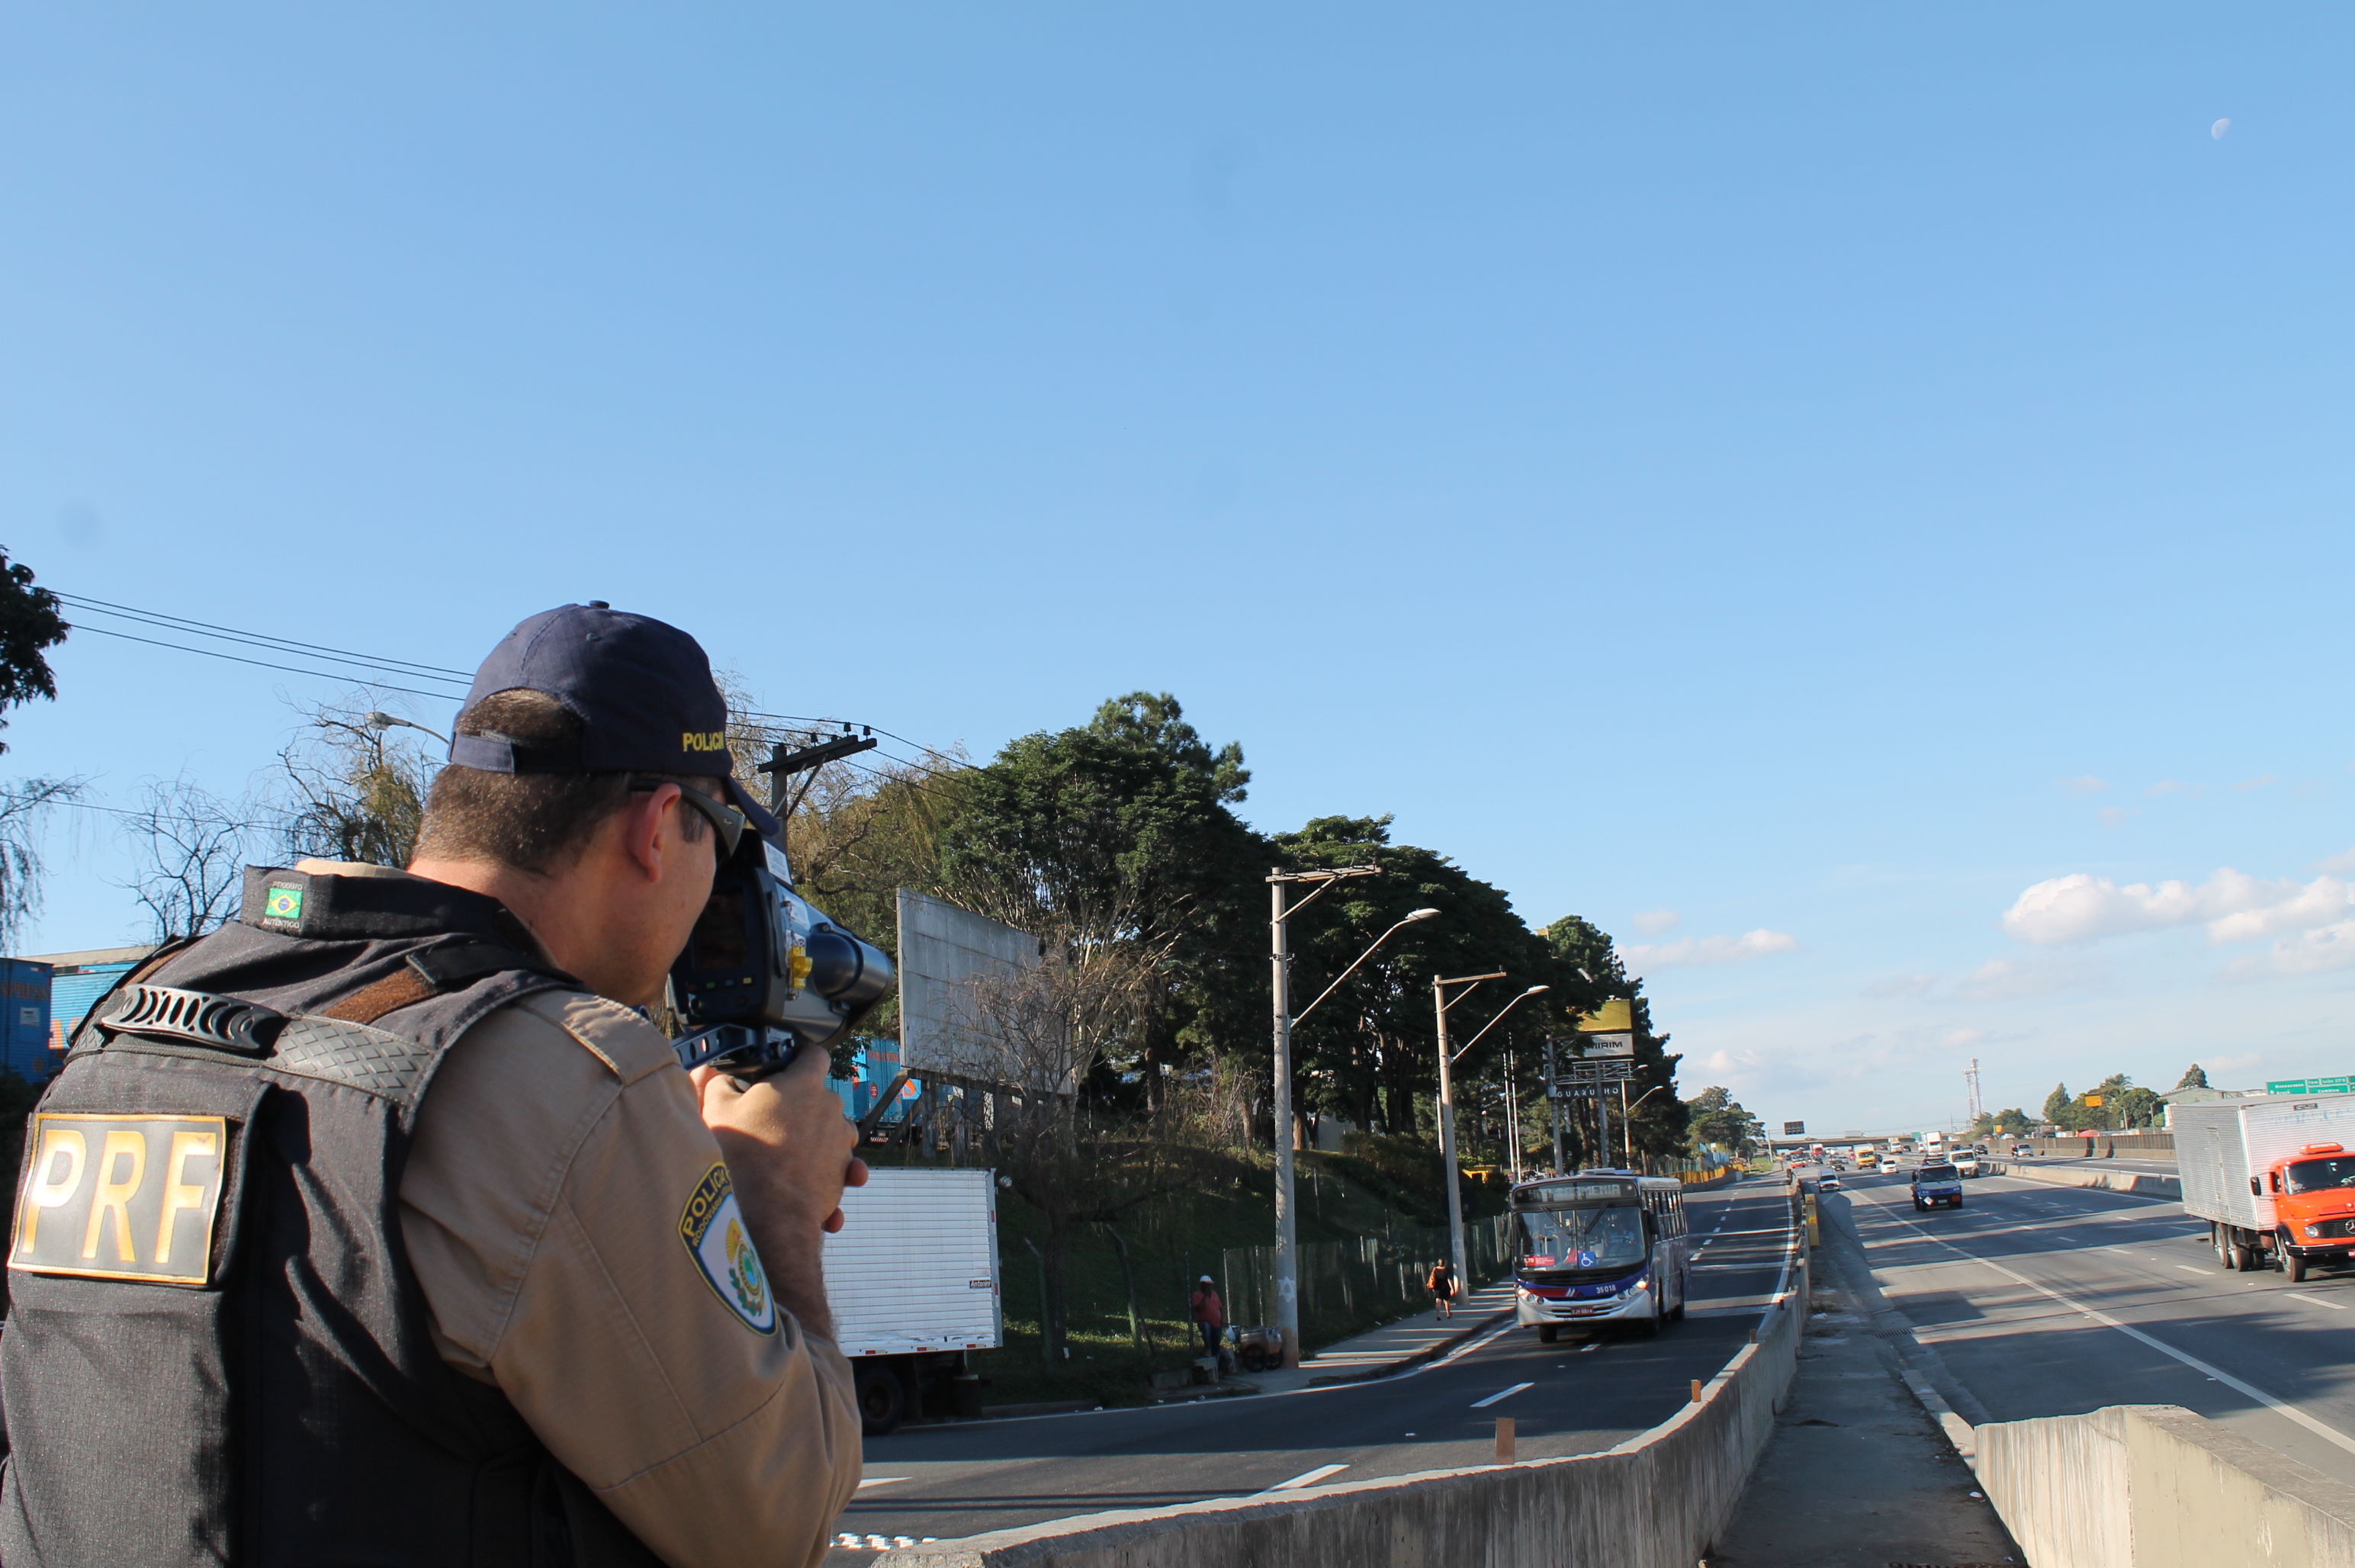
[(1206, 1279)]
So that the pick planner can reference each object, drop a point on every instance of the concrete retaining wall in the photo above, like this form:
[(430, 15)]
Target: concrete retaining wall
[(2143, 1182), (1655, 1501), (2154, 1485)]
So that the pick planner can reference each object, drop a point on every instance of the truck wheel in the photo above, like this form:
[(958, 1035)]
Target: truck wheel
[(1547, 1333), (2243, 1260), (2292, 1264), (2224, 1248), (881, 1401)]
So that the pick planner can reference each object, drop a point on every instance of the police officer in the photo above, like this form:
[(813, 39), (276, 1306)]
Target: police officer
[(380, 1227)]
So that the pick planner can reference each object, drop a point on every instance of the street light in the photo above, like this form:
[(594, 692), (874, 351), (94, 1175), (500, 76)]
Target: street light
[(1287, 1222), (1628, 1128), (381, 722), (1441, 1002)]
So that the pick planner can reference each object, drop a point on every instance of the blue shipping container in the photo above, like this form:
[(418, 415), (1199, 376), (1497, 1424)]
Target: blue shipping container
[(24, 1020)]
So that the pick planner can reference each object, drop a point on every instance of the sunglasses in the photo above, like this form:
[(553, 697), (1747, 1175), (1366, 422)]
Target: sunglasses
[(725, 819)]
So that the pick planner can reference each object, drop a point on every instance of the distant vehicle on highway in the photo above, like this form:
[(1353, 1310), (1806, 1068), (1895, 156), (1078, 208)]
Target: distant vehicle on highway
[(1967, 1164), (1600, 1248), (1937, 1186), (2023, 1151), (1829, 1184), (1870, 1159), (2272, 1177)]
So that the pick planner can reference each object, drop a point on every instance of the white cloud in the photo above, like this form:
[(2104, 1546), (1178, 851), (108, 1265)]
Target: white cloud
[(2084, 784), (2082, 907), (2112, 816), (2007, 979), (1642, 959), (1651, 922), (2176, 786), (2258, 783), (2311, 951), (2341, 864)]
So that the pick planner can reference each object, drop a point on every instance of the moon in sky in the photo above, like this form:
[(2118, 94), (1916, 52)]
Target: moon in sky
[(2218, 129)]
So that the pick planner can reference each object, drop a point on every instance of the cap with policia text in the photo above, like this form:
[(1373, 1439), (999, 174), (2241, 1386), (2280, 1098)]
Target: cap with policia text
[(642, 689)]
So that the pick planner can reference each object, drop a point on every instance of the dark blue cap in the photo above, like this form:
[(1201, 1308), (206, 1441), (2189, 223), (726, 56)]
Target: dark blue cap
[(642, 689)]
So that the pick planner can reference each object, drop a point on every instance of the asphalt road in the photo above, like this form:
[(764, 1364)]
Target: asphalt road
[(2044, 1300), (962, 1479)]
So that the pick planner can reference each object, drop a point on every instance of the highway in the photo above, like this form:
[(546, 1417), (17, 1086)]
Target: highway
[(2043, 1300), (962, 1478)]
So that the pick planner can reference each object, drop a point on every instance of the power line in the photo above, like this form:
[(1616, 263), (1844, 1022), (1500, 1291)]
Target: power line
[(264, 664), (262, 639)]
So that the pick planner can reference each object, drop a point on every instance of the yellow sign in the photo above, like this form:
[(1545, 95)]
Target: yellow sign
[(2093, 1099), (1615, 1017), (118, 1197)]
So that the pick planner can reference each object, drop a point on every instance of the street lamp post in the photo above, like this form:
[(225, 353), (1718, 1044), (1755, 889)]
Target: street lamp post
[(1287, 1219), (1441, 1002)]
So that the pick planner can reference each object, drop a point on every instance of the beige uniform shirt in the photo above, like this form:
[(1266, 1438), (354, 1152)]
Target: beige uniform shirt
[(567, 1212)]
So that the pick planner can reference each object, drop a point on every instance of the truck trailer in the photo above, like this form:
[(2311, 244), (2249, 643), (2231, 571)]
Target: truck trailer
[(2273, 1177), (912, 1279)]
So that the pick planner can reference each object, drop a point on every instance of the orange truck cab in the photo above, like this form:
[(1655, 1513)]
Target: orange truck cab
[(2314, 1205)]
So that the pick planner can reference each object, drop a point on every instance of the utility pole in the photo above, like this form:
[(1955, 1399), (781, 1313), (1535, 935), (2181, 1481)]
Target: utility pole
[(1287, 1221), (1439, 1000), (1971, 1079)]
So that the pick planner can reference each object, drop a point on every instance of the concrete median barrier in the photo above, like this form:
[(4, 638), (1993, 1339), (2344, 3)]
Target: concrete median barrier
[(2148, 1183), (1657, 1500), (2154, 1485)]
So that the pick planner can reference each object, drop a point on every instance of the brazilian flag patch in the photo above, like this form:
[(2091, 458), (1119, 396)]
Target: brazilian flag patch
[(283, 903)]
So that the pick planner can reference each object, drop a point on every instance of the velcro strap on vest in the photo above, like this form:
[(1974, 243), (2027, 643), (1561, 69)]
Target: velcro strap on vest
[(427, 972)]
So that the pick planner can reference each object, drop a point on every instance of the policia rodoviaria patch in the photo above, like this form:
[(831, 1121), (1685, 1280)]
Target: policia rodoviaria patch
[(713, 1229), (121, 1197)]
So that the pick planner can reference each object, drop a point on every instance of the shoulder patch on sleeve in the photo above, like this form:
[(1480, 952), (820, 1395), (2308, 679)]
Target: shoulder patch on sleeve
[(713, 1229)]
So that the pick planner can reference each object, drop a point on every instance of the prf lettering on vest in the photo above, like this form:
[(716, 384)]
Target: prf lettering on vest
[(118, 1197), (703, 740)]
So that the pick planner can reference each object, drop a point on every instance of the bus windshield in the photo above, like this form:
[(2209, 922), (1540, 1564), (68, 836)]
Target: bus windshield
[(1582, 1238)]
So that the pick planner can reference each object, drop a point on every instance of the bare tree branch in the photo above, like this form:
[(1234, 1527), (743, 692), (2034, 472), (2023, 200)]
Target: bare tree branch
[(22, 808), (191, 846)]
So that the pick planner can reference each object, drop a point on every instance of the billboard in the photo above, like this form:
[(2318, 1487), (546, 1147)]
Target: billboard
[(945, 953), (1602, 1045), (1614, 1017), (1795, 1129)]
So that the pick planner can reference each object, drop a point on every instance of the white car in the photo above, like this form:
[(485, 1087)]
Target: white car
[(1967, 1164), (1829, 1184)]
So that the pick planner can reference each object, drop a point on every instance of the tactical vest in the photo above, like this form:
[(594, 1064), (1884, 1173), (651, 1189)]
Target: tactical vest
[(218, 1351)]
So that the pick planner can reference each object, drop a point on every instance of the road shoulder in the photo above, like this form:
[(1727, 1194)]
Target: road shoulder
[(1858, 1474)]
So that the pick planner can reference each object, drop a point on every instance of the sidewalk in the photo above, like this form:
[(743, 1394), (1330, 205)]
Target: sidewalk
[(1392, 1348)]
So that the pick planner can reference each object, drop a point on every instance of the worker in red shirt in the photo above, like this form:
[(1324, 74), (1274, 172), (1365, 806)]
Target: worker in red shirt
[(1210, 1315)]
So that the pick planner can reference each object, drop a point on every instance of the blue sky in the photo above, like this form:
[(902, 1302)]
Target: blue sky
[(1727, 465)]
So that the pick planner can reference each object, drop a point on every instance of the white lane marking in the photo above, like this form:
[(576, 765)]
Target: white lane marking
[(879, 1481), (2187, 1268), (2327, 1433), (1590, 1346), (1310, 1477), (2301, 1296), (1482, 1404), (1461, 1352)]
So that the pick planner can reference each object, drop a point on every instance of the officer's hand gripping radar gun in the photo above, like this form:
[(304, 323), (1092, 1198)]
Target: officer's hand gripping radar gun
[(765, 972)]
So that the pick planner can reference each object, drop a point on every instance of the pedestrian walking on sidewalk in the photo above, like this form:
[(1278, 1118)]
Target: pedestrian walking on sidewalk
[(1210, 1315), (1443, 1287)]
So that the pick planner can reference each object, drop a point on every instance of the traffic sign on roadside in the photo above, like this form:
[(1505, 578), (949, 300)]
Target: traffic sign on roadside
[(2312, 1086)]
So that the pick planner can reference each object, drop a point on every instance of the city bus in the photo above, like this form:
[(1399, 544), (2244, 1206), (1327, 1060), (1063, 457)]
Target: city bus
[(1598, 1249)]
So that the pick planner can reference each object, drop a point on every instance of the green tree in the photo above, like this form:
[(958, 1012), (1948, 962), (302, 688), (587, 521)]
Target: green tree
[(1369, 1052), (2061, 1107), (2011, 1124), (30, 625), (1128, 820), (2194, 1077), (1715, 1119)]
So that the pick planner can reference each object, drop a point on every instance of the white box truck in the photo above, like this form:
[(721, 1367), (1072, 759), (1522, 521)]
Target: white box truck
[(912, 1279), (2273, 1177)]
